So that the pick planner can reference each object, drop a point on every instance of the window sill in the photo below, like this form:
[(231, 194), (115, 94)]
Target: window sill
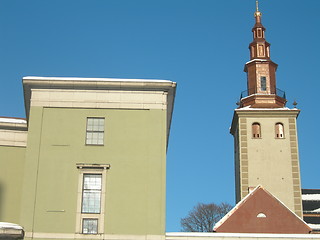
[(94, 145)]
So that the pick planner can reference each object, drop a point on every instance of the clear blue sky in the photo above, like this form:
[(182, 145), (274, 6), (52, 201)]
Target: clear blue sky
[(200, 44)]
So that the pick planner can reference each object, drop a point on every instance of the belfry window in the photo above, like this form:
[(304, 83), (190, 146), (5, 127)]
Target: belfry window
[(263, 83), (279, 130), (260, 51), (256, 130), (259, 33)]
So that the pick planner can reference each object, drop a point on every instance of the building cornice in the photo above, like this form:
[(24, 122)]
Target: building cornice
[(262, 113), (100, 85), (19, 124), (267, 112)]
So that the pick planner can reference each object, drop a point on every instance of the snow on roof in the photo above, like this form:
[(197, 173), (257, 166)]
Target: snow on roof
[(312, 211), (311, 197), (222, 220), (316, 210), (314, 226), (92, 79), (257, 59), (6, 225), (233, 210), (267, 109), (12, 120), (215, 235)]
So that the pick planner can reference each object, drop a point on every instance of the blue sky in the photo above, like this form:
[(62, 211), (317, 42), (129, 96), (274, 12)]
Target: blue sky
[(200, 44)]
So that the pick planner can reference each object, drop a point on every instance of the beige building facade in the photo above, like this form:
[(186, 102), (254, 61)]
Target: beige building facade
[(269, 159), (265, 131)]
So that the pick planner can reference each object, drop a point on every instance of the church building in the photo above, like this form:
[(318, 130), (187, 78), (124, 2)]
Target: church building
[(89, 160), (265, 131), (267, 173)]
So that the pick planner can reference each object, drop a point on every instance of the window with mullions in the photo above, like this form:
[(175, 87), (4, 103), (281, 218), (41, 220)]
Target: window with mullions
[(91, 193), (95, 131), (89, 226), (263, 83), (91, 198)]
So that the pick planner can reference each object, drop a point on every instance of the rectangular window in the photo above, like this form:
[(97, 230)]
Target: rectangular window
[(89, 226), (263, 83), (91, 198), (91, 193), (259, 33), (260, 51), (95, 131)]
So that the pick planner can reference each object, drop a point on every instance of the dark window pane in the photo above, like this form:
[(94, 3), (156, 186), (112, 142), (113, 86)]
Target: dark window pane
[(263, 83)]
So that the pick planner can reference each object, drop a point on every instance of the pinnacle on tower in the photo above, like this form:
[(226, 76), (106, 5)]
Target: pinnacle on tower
[(261, 72)]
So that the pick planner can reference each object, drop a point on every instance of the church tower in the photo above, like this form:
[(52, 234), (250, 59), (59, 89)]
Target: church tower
[(264, 130)]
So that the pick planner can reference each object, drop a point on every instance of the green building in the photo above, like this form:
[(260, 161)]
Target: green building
[(90, 160)]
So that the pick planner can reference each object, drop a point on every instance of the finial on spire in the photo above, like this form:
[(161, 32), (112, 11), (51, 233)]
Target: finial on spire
[(257, 13)]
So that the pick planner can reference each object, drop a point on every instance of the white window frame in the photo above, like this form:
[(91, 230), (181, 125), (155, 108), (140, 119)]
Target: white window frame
[(88, 131), (91, 169)]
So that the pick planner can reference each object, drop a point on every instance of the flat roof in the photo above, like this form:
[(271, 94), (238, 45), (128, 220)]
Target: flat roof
[(93, 79), (13, 120)]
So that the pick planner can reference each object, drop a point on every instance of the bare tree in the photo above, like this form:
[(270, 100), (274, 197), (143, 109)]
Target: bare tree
[(203, 217)]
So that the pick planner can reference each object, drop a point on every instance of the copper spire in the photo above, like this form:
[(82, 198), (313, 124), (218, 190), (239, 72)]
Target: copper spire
[(257, 13), (260, 50), (261, 71)]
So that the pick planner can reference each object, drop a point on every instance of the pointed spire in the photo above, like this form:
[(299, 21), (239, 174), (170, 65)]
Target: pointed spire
[(259, 37), (261, 71)]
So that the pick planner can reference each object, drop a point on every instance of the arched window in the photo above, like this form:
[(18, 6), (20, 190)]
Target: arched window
[(261, 215), (256, 130), (279, 130)]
